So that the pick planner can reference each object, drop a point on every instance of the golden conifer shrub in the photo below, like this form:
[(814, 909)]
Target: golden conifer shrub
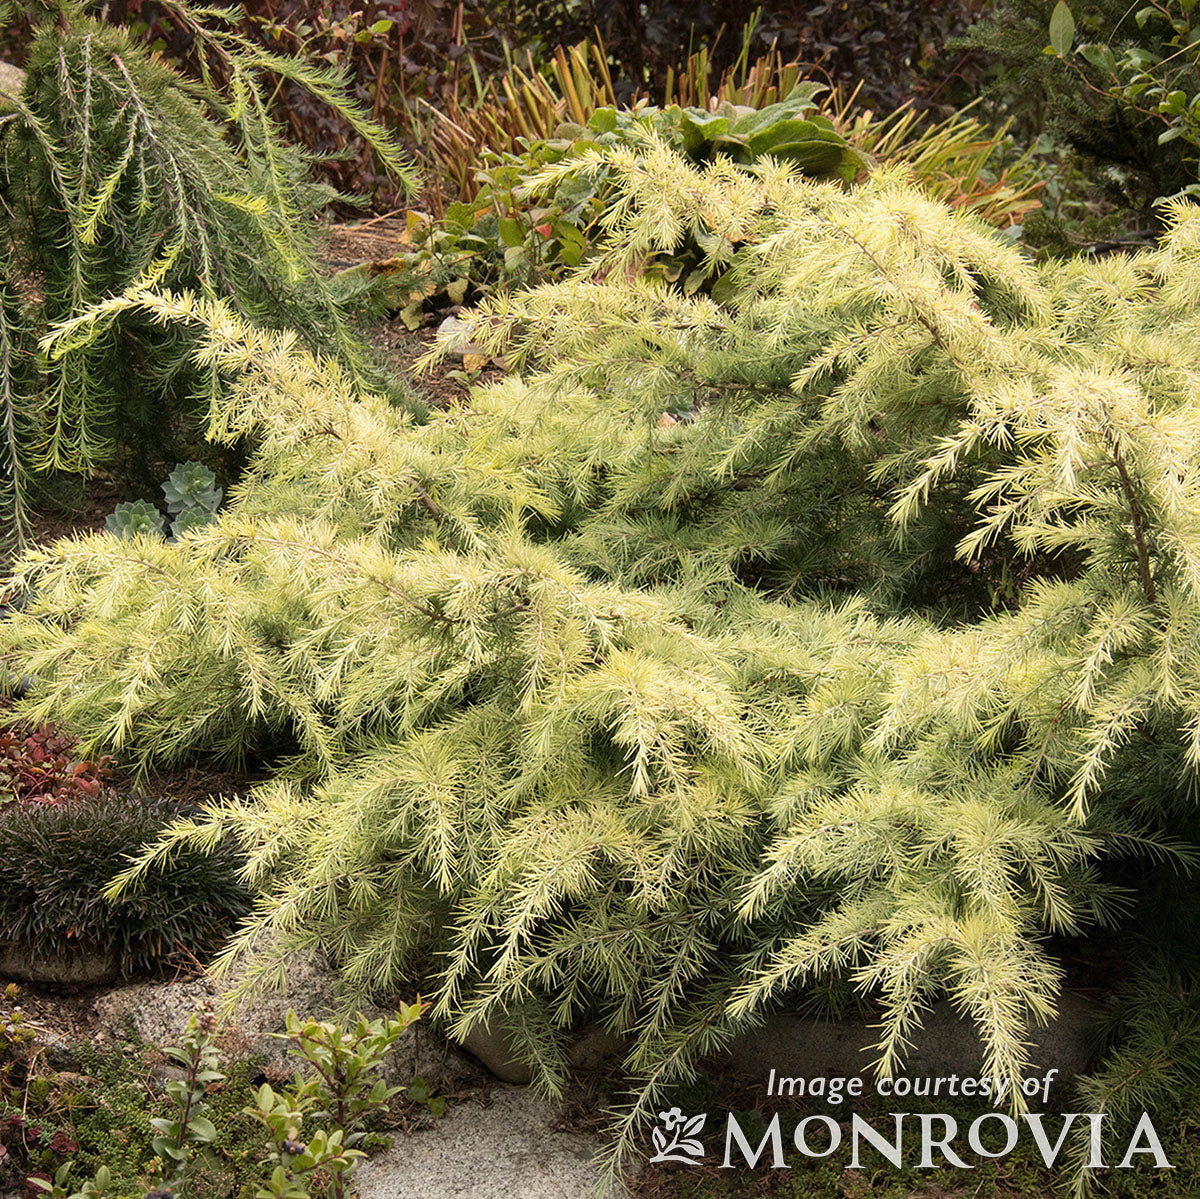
[(878, 662)]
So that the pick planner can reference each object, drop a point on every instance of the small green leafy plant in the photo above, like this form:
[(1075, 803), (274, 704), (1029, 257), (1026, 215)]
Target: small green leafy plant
[(15, 1037), (515, 233), (97, 1187), (191, 487), (28, 1146), (1155, 77), (188, 1130), (518, 231), (342, 1092), (419, 1091), (1105, 84), (791, 130), (343, 1088)]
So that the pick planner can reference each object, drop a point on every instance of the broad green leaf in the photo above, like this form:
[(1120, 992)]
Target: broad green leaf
[(807, 91), (1062, 29), (1100, 56), (698, 128), (603, 120), (511, 232), (789, 133), (200, 1128)]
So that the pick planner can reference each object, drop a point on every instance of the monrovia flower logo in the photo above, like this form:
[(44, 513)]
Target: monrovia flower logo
[(683, 1145)]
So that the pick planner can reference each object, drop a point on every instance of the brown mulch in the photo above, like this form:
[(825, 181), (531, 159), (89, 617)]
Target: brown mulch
[(376, 240), (197, 784), (80, 507), (444, 385), (363, 241), (62, 1011)]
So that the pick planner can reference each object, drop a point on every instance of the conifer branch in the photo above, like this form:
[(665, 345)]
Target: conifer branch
[(1138, 522)]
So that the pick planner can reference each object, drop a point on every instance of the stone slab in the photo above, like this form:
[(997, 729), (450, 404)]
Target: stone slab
[(509, 1149), (947, 1043), (157, 1013), (11, 79), (79, 969)]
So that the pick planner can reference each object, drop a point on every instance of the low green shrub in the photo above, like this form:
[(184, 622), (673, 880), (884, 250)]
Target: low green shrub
[(515, 231), (59, 856), (1152, 74), (510, 234), (105, 1134)]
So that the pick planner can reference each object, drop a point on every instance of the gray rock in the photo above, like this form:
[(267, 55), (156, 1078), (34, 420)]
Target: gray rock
[(158, 1013), (593, 1049), (11, 79), (155, 1012), (492, 1047), (948, 1043), (596, 1048), (807, 1047), (81, 969), (455, 334), (61, 1056), (512, 1148)]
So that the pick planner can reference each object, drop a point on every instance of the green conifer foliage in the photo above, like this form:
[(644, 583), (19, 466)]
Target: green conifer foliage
[(873, 664), (1069, 97), (116, 171)]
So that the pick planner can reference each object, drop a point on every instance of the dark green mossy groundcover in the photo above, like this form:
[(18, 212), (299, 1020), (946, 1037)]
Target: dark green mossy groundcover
[(56, 858)]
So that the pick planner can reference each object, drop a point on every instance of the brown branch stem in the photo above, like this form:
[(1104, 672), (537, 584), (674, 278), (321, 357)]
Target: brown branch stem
[(1138, 520)]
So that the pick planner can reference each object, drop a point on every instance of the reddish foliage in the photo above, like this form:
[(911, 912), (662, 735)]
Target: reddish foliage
[(63, 1143), (35, 1192), (22, 1146), (18, 1145), (37, 766)]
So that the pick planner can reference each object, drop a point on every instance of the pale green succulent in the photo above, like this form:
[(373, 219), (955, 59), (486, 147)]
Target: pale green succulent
[(133, 518), (192, 485), (190, 518)]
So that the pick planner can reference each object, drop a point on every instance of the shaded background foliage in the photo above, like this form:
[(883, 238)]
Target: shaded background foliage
[(407, 57), (1068, 98), (893, 47)]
